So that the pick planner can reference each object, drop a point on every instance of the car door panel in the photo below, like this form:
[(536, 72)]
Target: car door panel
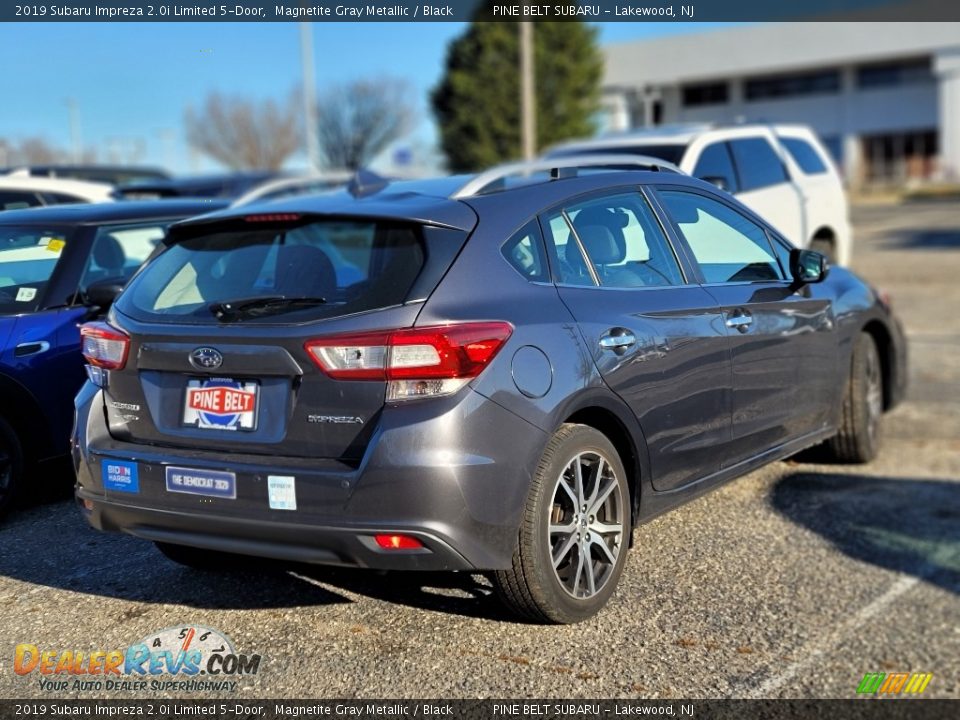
[(781, 335), (658, 341), (675, 377), (782, 363)]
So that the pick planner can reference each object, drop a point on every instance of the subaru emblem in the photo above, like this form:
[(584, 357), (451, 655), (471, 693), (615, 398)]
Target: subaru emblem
[(206, 358)]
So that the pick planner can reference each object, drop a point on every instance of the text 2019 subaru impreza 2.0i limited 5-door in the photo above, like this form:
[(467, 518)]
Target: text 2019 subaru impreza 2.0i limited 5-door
[(503, 373)]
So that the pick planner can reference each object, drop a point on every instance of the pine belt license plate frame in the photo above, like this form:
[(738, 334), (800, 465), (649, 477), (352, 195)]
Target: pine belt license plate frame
[(219, 403)]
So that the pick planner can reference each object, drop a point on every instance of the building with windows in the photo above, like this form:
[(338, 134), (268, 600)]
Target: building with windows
[(884, 97)]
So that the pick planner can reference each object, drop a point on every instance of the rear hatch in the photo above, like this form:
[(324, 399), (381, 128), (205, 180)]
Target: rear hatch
[(218, 325)]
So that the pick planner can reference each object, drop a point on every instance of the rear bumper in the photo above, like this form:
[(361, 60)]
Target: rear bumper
[(454, 474), (294, 542)]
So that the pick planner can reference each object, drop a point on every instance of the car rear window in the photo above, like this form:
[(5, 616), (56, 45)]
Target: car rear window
[(346, 266)]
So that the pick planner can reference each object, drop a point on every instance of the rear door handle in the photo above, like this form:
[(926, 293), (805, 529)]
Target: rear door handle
[(741, 321), (618, 340)]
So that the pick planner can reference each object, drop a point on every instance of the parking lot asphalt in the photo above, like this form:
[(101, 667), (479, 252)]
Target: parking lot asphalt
[(794, 581)]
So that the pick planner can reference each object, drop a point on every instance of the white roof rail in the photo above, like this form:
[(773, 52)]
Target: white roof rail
[(479, 183), (297, 185)]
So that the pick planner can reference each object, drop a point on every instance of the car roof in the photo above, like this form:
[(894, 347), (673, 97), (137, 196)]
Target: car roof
[(95, 172), (187, 184), (429, 201), (421, 201), (679, 134), (49, 184), (87, 213)]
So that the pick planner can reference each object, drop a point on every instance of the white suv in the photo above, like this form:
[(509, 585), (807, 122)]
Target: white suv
[(782, 172)]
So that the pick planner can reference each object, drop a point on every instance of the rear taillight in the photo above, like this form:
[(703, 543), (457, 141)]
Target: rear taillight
[(415, 362), (104, 346)]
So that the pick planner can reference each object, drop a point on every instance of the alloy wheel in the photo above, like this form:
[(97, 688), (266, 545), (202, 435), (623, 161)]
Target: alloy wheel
[(586, 525)]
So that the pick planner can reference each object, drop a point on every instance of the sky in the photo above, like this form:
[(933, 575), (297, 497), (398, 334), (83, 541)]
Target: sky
[(132, 82)]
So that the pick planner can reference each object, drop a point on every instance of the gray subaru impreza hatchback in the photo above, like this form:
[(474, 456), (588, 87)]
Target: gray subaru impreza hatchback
[(501, 373)]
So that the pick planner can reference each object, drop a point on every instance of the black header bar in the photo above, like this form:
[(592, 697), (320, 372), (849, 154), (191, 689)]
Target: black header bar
[(243, 709), (465, 10)]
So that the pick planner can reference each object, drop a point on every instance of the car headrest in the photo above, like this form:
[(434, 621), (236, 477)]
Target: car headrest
[(304, 270), (108, 253), (603, 247), (613, 219)]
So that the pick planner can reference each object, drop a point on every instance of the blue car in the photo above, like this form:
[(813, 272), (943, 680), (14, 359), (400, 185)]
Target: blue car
[(61, 266)]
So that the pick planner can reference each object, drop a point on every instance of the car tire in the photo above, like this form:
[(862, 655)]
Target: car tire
[(11, 467), (595, 528), (199, 558), (825, 247), (858, 438)]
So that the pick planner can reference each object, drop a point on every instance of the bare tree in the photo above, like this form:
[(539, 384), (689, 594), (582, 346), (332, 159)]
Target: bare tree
[(37, 151), (244, 134), (359, 119)]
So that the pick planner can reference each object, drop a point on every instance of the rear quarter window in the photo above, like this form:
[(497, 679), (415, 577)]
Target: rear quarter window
[(17, 200), (524, 252)]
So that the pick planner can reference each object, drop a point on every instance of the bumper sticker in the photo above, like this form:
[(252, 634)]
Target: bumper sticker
[(120, 476), (282, 491), (202, 482)]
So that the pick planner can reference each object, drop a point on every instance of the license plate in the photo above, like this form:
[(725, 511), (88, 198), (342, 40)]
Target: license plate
[(214, 483), (221, 404)]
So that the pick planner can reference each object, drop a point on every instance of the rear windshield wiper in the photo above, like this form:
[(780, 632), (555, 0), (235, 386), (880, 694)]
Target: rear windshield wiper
[(262, 305)]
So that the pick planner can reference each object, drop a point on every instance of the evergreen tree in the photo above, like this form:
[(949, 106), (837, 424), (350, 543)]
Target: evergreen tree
[(477, 103)]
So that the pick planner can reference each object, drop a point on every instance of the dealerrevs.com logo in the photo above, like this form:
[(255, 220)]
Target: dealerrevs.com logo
[(190, 658), (890, 684)]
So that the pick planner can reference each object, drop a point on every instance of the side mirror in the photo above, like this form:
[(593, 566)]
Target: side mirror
[(808, 266), (103, 292), (717, 181)]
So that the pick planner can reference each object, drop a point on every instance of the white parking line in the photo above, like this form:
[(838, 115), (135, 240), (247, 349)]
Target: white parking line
[(943, 557), (816, 650)]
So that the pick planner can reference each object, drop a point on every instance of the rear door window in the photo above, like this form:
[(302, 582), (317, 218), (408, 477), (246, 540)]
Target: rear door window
[(569, 263), (341, 267), (623, 241), (758, 164)]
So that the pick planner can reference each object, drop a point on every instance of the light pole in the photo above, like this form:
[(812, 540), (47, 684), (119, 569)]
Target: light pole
[(528, 110), (309, 96)]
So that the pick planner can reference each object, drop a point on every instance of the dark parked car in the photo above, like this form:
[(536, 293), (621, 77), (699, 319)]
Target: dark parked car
[(227, 185), (506, 373), (60, 266)]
